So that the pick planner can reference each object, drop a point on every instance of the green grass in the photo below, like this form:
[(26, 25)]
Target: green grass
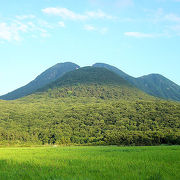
[(161, 162)]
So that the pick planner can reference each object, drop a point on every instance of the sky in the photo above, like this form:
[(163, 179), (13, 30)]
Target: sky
[(137, 36)]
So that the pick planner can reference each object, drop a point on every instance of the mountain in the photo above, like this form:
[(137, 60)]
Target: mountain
[(114, 69), (93, 82), (159, 86), (88, 75), (89, 106), (43, 79), (153, 84)]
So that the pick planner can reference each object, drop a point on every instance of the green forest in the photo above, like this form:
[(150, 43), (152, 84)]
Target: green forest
[(93, 121), (89, 106)]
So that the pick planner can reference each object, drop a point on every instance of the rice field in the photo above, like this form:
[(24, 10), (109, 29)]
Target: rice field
[(86, 163)]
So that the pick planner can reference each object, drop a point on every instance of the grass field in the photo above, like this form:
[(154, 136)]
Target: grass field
[(86, 163)]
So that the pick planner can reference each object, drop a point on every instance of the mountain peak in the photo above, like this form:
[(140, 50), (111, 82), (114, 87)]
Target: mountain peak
[(42, 80), (67, 73), (112, 68), (88, 75), (92, 82)]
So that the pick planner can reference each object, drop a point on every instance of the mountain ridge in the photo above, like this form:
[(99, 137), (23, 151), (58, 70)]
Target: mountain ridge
[(93, 82), (90, 106), (152, 84), (46, 77)]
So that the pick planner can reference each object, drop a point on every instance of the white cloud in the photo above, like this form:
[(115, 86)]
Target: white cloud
[(68, 14), (20, 26), (23, 17), (9, 32), (175, 23), (61, 24), (169, 23), (139, 35), (35, 27), (103, 30), (112, 3), (98, 14), (31, 24), (175, 29), (64, 13), (45, 35), (45, 24), (89, 28), (5, 32), (15, 29), (160, 16), (23, 28), (172, 17)]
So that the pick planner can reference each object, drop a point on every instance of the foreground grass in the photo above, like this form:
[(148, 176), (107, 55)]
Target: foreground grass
[(162, 162)]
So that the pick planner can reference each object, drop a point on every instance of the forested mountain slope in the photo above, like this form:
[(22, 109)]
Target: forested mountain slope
[(89, 106), (159, 86), (43, 79), (153, 84), (93, 82), (82, 120)]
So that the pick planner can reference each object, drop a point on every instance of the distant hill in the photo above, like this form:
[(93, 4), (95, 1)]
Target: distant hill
[(159, 86), (73, 119), (114, 69), (43, 79), (93, 82), (153, 84), (89, 106), (88, 75)]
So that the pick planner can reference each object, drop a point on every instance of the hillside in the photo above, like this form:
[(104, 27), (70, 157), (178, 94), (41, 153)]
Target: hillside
[(114, 69), (89, 106), (153, 84), (158, 85), (88, 75), (43, 79), (93, 82), (82, 120)]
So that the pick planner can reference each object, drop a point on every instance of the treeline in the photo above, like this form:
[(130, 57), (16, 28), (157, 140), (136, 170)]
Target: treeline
[(99, 91), (82, 120)]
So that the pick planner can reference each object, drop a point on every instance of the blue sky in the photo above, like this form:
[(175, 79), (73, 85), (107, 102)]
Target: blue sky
[(137, 36)]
